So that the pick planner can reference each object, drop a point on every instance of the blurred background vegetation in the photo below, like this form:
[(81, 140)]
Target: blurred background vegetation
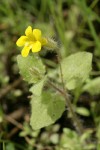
[(75, 25)]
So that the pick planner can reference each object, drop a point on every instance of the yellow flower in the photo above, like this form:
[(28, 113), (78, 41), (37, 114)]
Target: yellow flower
[(32, 40)]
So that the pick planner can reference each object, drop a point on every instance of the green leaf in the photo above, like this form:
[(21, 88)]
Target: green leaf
[(93, 86), (10, 146), (83, 111), (36, 89), (70, 140), (76, 69), (54, 138), (31, 68), (46, 109)]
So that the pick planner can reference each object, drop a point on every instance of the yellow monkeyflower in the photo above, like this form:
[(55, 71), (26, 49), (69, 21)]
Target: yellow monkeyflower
[(32, 40)]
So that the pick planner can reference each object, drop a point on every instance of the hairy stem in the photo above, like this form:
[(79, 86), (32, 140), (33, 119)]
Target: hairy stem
[(75, 119)]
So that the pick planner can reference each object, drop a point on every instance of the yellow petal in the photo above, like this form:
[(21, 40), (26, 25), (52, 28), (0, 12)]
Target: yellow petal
[(21, 41), (44, 41), (37, 34), (36, 47), (25, 51), (28, 31)]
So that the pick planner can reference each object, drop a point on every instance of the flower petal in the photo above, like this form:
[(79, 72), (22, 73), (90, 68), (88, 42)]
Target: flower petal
[(37, 34), (25, 51), (21, 41), (28, 31), (36, 47)]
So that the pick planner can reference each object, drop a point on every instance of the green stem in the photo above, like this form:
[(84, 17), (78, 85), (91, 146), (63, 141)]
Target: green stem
[(75, 119), (4, 146)]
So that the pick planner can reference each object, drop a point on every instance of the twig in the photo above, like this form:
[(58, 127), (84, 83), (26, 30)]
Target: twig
[(13, 121), (4, 91), (12, 132), (18, 125), (18, 113)]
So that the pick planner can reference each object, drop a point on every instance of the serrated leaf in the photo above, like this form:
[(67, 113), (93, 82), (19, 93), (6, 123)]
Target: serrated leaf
[(76, 69), (31, 68), (93, 86), (46, 109)]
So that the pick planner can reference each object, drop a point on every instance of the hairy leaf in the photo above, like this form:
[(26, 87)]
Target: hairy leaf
[(36, 89), (46, 109), (76, 69), (31, 68)]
